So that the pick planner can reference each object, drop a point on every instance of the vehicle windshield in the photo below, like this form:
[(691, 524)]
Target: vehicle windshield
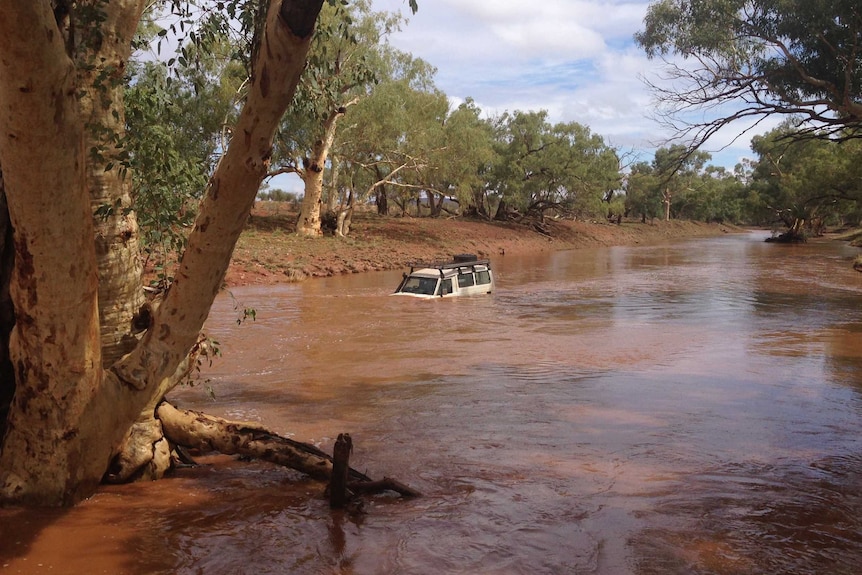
[(419, 285)]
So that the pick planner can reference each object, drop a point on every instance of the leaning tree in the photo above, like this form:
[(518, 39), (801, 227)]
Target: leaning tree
[(741, 61), (86, 359)]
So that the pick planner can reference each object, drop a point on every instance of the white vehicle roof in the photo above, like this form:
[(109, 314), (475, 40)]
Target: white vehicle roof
[(447, 271)]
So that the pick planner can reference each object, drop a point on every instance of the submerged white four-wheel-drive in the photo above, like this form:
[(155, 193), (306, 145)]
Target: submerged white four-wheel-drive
[(464, 275)]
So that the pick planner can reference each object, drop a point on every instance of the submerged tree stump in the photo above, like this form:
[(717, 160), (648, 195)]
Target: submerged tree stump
[(338, 495)]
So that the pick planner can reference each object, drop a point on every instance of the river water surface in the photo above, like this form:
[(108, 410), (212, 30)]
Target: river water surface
[(693, 407)]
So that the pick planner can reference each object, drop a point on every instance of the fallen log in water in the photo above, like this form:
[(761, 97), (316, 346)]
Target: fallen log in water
[(196, 430)]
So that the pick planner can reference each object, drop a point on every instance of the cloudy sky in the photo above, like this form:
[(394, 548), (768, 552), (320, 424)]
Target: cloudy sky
[(573, 58)]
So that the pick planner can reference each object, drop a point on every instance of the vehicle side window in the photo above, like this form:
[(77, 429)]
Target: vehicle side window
[(446, 286), (465, 280), (483, 277)]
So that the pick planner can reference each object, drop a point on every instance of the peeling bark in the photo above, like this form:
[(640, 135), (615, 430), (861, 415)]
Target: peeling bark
[(163, 357), (7, 311), (55, 343), (100, 53), (146, 454)]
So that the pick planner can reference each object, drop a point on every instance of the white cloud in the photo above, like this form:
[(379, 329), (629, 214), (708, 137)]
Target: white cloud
[(536, 39)]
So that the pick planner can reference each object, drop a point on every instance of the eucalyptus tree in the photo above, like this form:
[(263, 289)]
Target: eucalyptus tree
[(562, 168), (520, 139), (745, 60), (423, 142), (674, 184), (344, 65), (471, 157), (387, 145), (590, 168), (712, 195), (643, 192), (805, 184), (404, 140), (91, 357), (458, 147), (678, 171)]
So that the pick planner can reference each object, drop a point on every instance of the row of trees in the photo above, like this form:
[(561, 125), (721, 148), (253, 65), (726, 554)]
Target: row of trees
[(735, 63), (367, 124), (795, 184)]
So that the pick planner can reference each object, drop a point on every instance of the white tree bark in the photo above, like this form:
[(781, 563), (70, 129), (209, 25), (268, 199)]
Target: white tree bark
[(100, 79), (69, 415), (229, 198), (308, 223), (55, 343), (162, 357)]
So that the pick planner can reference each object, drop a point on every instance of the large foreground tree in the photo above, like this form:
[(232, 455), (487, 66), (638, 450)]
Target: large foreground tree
[(88, 358), (745, 60)]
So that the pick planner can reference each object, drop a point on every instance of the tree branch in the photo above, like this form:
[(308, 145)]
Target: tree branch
[(230, 195)]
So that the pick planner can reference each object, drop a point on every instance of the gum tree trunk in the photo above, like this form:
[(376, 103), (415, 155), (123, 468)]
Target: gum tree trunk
[(55, 344), (345, 217), (118, 259), (308, 223), (162, 357), (69, 414)]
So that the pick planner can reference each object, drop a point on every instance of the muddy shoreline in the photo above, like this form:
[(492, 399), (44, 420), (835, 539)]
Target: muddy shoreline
[(270, 253)]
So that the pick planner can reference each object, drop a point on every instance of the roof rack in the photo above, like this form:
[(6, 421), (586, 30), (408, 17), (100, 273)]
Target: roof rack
[(449, 265)]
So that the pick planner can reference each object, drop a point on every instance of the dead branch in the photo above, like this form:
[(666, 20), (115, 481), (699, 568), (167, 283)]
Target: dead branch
[(340, 465), (196, 430)]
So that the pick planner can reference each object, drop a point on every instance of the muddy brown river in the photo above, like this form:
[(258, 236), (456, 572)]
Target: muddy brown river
[(688, 408)]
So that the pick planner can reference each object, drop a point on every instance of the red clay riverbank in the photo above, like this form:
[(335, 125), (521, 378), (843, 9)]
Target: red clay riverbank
[(269, 252)]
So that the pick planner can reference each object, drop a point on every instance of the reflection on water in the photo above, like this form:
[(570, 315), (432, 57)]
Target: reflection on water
[(686, 408)]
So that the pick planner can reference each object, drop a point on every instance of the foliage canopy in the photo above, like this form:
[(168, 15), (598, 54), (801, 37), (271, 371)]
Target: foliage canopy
[(750, 59)]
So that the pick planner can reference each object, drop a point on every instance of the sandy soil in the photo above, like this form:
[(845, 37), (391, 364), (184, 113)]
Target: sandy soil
[(269, 252)]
